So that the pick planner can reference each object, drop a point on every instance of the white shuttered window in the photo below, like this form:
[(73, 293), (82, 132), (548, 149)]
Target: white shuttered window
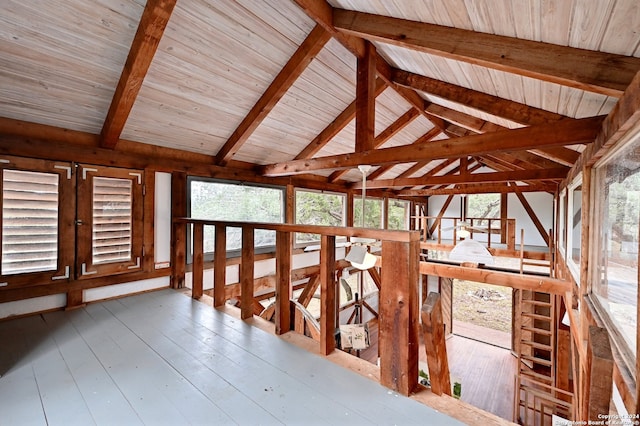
[(112, 221), (29, 222)]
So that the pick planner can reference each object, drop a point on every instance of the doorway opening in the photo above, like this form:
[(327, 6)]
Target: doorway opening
[(483, 312)]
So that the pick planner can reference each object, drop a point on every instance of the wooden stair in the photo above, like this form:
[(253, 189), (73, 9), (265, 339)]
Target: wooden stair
[(536, 352)]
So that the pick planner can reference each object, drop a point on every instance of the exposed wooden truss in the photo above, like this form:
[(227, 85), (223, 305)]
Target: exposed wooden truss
[(600, 72)]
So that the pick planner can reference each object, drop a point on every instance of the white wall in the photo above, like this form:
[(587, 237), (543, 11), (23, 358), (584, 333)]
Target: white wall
[(542, 205), (541, 202)]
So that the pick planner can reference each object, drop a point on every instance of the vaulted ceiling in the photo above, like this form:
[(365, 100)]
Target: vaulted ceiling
[(434, 94)]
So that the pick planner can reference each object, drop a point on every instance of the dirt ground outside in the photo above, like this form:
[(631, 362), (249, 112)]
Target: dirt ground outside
[(483, 305)]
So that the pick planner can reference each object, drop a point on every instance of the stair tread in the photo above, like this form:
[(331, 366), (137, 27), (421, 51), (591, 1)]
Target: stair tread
[(537, 302), (537, 330), (537, 360), (535, 375), (537, 345), (536, 316)]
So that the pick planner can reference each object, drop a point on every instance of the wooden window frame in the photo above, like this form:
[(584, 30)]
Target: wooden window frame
[(66, 215), (84, 262)]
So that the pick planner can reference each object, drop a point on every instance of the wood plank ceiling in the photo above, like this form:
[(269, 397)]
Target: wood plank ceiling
[(455, 87)]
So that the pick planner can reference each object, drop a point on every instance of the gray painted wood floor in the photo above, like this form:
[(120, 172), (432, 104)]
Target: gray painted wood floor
[(164, 359)]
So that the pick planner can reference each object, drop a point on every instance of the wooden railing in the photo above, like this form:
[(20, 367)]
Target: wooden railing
[(505, 228), (398, 297)]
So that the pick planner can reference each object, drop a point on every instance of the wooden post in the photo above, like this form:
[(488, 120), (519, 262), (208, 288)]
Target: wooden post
[(504, 198), (246, 273), (327, 294), (511, 234), (179, 230), (435, 345), (366, 99), (197, 273), (178, 254), (74, 299), (283, 282), (599, 374), (399, 323), (220, 267)]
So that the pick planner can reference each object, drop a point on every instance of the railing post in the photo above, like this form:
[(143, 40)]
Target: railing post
[(283, 282), (246, 273), (197, 273), (178, 255), (220, 267), (511, 234), (327, 294), (399, 323)]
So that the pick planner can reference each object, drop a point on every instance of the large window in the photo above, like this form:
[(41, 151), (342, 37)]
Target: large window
[(37, 219), (615, 284), (215, 200), (574, 227), (110, 219), (318, 208), (483, 206)]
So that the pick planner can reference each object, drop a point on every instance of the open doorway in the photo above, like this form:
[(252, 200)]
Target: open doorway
[(482, 312)]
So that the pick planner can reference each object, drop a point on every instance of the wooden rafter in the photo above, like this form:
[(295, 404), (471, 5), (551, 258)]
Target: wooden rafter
[(494, 105), (435, 131), (564, 132), (152, 24), (600, 72), (476, 189), (403, 121), (529, 175), (532, 214), (296, 65), (340, 122)]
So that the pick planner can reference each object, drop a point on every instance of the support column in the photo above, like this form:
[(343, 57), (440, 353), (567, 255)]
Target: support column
[(327, 294), (283, 282)]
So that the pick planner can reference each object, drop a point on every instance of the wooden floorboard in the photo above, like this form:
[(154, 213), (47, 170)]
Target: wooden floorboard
[(486, 373), (162, 358)]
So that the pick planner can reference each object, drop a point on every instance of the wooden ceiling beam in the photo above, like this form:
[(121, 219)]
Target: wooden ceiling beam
[(296, 65), (529, 175), (594, 71), (494, 105), (483, 188), (560, 154), (564, 132), (506, 279), (152, 24)]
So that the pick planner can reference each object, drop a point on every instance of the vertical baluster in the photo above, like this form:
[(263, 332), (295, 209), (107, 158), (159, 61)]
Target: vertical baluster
[(327, 294), (197, 273), (220, 266), (246, 273), (283, 282)]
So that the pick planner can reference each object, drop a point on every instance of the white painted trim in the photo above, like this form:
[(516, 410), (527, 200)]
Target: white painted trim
[(67, 269), (85, 170), (85, 272), (67, 168), (138, 175), (137, 265)]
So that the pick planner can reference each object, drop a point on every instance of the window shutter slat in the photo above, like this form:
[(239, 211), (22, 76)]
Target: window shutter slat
[(112, 220), (29, 222)]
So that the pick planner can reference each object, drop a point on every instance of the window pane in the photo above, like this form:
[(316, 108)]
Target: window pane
[(398, 214), (576, 227), (618, 194), (29, 222), (563, 220), (483, 206), (373, 213), (233, 202), (112, 221), (316, 208)]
